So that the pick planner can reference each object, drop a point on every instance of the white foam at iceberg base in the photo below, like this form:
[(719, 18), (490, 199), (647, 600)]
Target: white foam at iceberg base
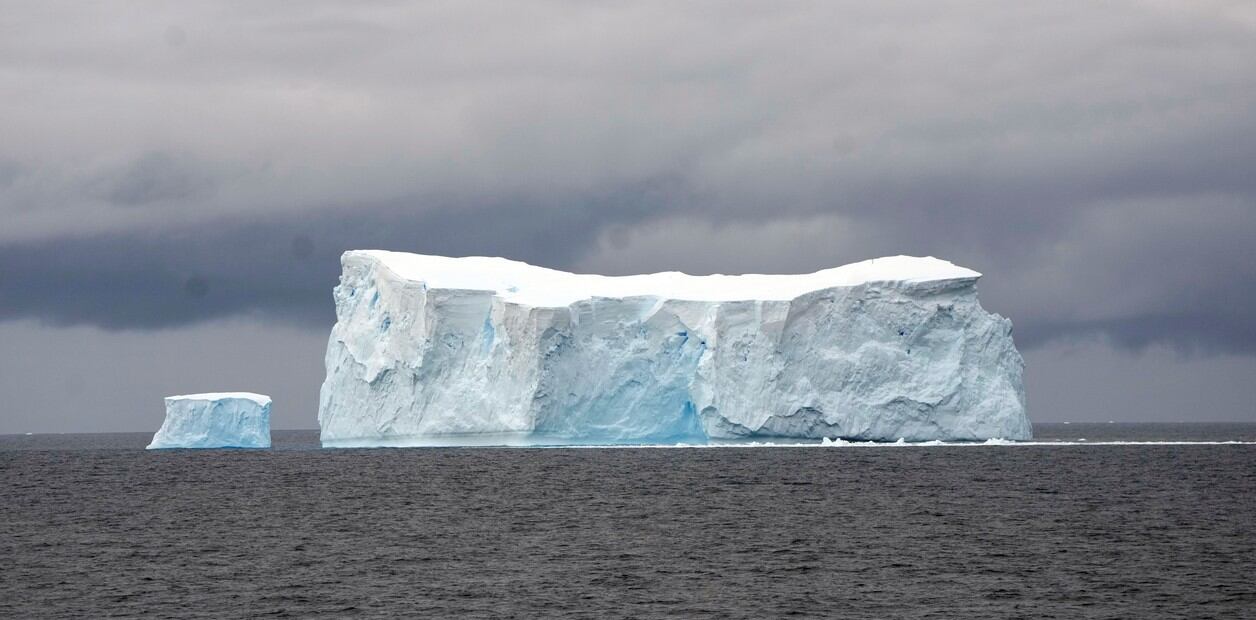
[(215, 420), (998, 441)]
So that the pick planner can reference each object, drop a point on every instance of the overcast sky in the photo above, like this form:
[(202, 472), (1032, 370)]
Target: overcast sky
[(178, 180)]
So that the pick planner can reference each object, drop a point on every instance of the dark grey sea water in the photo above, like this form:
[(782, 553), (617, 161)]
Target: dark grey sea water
[(94, 526)]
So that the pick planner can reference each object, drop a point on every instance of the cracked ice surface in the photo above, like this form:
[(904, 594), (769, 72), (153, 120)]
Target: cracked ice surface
[(431, 350)]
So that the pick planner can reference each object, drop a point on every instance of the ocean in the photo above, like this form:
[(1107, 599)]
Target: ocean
[(1090, 521)]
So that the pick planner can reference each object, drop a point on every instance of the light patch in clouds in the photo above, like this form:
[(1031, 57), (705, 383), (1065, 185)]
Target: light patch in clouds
[(697, 246), (893, 110), (1089, 381), (85, 379)]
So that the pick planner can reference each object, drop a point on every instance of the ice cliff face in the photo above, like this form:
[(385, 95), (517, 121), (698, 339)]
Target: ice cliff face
[(430, 350), (225, 420)]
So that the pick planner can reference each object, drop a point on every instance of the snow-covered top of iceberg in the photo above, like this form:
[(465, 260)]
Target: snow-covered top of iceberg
[(260, 399), (525, 284)]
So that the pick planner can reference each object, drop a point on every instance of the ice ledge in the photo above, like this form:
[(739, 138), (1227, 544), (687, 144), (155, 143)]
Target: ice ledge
[(260, 399), (521, 283)]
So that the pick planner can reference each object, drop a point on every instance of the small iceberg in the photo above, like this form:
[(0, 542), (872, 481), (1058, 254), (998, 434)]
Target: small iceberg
[(215, 420)]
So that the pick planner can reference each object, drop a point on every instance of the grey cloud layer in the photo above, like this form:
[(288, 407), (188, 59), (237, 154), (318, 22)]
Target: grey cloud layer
[(167, 165)]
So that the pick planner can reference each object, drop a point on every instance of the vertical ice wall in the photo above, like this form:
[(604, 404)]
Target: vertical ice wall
[(218, 420), (434, 350)]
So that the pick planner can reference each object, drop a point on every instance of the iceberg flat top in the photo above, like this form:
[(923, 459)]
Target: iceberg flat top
[(526, 284), (260, 399)]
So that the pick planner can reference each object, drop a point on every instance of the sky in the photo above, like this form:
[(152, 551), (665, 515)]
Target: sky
[(178, 180)]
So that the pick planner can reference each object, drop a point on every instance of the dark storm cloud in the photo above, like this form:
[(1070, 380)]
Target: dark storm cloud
[(283, 268), (1208, 330), (1094, 161), (1194, 293), (157, 177)]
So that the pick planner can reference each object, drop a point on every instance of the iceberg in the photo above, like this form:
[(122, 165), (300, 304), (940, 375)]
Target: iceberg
[(432, 350), (217, 420)]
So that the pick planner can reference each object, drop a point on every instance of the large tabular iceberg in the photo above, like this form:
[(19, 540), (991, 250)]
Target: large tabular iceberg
[(220, 420), (429, 350)]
